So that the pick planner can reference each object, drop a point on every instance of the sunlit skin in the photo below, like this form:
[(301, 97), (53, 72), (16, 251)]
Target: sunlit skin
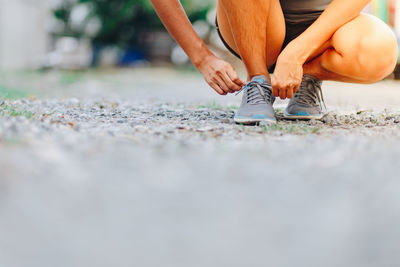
[(341, 45)]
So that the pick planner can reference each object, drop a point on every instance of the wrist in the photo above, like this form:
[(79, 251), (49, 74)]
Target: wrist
[(201, 56), (299, 51), (294, 53)]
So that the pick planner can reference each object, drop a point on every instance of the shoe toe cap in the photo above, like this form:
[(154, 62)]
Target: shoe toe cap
[(257, 113), (302, 111)]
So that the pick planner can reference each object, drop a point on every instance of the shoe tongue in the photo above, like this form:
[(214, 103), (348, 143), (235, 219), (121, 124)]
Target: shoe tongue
[(259, 79), (309, 77)]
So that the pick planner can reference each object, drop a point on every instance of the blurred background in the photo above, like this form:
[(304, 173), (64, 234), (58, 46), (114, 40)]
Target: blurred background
[(76, 34), (80, 34)]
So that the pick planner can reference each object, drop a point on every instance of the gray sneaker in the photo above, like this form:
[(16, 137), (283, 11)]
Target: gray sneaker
[(307, 101), (256, 103)]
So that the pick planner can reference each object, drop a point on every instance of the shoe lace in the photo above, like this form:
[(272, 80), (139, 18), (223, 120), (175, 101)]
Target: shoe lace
[(257, 93), (310, 92)]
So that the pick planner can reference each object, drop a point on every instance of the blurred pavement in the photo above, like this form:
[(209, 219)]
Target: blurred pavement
[(145, 168)]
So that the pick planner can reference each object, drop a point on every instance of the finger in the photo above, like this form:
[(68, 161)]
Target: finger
[(217, 88), (291, 89), (296, 88), (289, 93), (275, 90), (235, 78), (233, 86), (218, 80), (282, 93)]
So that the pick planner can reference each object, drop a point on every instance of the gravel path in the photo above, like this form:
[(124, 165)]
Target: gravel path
[(109, 178)]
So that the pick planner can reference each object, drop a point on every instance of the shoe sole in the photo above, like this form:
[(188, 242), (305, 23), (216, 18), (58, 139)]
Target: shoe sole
[(252, 121), (302, 117)]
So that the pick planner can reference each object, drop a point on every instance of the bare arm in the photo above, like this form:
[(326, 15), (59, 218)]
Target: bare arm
[(289, 67), (219, 74)]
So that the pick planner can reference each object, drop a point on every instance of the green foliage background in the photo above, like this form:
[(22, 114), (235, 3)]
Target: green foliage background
[(122, 21)]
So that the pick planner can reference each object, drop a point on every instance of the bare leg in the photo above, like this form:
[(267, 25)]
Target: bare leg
[(253, 29), (362, 51)]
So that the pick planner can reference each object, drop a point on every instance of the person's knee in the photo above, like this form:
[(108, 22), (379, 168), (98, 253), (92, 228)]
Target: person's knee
[(376, 57)]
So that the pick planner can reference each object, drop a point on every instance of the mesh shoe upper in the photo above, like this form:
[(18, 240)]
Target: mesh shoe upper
[(308, 99), (257, 99)]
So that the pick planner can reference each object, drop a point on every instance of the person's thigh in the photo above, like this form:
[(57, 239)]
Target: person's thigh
[(364, 48), (275, 33)]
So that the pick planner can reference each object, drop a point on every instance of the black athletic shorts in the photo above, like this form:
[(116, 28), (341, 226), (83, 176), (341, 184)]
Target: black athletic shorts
[(293, 30)]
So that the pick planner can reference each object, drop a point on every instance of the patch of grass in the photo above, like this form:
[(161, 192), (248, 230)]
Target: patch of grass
[(12, 93), (13, 112), (233, 107), (70, 77), (12, 141), (185, 69), (279, 112)]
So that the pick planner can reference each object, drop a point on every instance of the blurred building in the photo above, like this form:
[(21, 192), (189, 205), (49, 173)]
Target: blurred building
[(23, 32)]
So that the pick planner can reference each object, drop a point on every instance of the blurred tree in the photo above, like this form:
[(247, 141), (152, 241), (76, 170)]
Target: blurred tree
[(116, 22)]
